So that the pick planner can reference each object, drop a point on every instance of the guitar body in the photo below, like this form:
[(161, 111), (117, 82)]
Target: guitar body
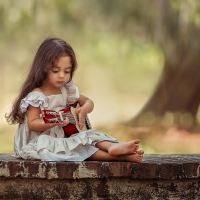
[(51, 116)]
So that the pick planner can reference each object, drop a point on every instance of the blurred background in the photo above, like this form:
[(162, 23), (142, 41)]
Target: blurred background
[(138, 60)]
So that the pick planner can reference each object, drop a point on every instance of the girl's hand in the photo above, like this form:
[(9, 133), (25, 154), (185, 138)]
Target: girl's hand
[(82, 113), (64, 123), (87, 106), (61, 124)]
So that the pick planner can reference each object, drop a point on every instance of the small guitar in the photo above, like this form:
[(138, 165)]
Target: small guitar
[(51, 116)]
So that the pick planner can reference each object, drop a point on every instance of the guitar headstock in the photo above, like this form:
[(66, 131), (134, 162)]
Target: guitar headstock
[(51, 116)]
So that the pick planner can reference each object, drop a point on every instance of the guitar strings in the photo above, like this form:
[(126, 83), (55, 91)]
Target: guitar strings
[(71, 118)]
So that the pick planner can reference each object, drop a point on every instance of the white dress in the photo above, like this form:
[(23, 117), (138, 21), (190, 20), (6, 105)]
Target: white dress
[(51, 145)]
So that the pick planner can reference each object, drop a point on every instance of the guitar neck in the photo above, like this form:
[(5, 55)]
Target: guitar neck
[(69, 116), (72, 120)]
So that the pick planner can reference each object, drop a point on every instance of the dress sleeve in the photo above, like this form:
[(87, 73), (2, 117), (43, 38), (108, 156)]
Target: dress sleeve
[(72, 92), (35, 99)]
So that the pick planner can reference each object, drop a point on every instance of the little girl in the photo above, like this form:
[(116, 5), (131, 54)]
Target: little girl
[(49, 86)]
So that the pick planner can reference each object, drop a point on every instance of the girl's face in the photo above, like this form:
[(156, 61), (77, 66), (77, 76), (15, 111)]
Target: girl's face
[(60, 73)]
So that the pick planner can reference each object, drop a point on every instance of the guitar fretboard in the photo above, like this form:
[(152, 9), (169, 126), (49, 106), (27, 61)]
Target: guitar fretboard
[(73, 121)]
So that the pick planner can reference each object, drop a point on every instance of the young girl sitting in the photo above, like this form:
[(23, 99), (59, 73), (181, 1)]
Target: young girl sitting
[(49, 86)]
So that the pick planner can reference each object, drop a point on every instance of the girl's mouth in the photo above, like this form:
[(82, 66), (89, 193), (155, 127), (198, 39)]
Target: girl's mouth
[(60, 82)]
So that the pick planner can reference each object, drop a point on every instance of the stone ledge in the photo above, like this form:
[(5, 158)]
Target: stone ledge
[(159, 167)]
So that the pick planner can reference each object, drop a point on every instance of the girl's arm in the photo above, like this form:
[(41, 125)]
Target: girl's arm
[(87, 106), (35, 123), (86, 103)]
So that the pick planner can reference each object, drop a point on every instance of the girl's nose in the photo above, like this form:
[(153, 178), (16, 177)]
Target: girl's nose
[(61, 74)]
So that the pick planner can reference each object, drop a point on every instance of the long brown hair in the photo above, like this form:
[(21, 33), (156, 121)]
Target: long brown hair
[(47, 54)]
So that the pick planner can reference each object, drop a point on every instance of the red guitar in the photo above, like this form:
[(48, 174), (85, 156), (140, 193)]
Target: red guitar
[(51, 116)]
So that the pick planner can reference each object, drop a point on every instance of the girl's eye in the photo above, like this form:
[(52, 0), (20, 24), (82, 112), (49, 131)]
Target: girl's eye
[(67, 72), (54, 71)]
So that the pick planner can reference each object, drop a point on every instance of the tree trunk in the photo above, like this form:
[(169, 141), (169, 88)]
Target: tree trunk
[(178, 91)]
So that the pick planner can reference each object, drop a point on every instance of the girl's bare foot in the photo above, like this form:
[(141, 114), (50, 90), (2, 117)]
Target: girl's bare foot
[(117, 149), (137, 157)]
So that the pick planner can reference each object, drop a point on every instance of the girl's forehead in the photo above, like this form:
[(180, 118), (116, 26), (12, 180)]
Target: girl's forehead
[(63, 60)]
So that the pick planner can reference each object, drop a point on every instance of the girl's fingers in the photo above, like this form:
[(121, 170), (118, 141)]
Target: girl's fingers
[(78, 110), (81, 121), (82, 115), (63, 123), (66, 120)]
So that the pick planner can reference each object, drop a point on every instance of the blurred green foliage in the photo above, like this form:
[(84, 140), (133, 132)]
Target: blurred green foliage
[(96, 39)]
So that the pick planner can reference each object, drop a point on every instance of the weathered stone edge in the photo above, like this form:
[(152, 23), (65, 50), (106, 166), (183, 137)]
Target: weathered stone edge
[(153, 167)]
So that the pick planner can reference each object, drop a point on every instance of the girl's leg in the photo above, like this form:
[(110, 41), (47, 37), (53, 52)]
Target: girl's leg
[(137, 157), (100, 155), (122, 148), (104, 156)]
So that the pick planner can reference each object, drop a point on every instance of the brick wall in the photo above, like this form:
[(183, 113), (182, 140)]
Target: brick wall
[(157, 177)]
